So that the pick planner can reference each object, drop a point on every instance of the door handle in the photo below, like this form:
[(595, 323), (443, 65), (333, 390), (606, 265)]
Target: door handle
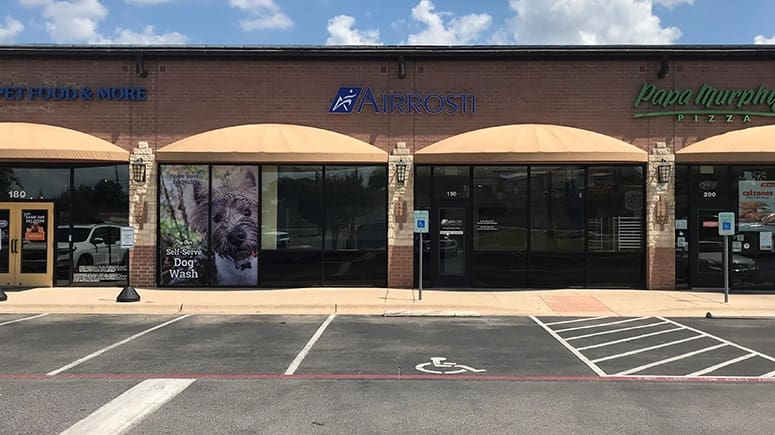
[(14, 247)]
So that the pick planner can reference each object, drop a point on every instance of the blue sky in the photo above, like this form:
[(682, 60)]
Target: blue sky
[(387, 22)]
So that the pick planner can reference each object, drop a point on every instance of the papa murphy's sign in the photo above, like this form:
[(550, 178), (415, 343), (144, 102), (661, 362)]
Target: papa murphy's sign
[(705, 103), (355, 99), (70, 93)]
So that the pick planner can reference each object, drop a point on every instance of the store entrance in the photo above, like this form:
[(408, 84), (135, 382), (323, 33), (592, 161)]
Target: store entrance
[(450, 244), (26, 244), (706, 256)]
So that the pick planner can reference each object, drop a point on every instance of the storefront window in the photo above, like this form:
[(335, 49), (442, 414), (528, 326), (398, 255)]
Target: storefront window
[(100, 207), (184, 207), (233, 226), (557, 208), (422, 201), (356, 227), (615, 225), (753, 253), (500, 199), (682, 226), (34, 184), (451, 182), (292, 225), (557, 226)]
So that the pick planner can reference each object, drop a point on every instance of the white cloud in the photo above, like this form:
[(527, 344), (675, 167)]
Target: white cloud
[(761, 39), (342, 32), (587, 22), (9, 31), (264, 14), (673, 3), (148, 2), (146, 37), (70, 21), (456, 31), (76, 21)]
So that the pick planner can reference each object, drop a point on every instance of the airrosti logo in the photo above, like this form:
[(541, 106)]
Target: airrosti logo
[(357, 99)]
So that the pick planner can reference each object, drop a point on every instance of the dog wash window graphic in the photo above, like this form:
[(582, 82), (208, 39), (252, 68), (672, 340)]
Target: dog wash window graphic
[(234, 225), (184, 202)]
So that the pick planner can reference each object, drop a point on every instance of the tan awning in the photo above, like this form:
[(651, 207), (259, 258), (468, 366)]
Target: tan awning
[(21, 141), (530, 143), (270, 143), (750, 145)]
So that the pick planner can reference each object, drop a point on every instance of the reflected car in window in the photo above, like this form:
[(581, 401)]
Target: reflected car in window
[(93, 245), (710, 258)]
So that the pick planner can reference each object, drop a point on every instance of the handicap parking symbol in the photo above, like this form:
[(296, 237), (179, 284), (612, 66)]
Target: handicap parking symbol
[(445, 367)]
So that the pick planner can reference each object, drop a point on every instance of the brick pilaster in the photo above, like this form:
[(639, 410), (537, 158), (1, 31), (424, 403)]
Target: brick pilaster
[(660, 222), (400, 221), (142, 215)]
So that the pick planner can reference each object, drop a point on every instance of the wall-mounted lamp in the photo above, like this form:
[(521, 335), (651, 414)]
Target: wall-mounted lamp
[(138, 170), (401, 171), (140, 67), (401, 67), (663, 68), (664, 170)]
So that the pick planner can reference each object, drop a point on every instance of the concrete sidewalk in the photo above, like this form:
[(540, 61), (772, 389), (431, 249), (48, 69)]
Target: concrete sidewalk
[(387, 301)]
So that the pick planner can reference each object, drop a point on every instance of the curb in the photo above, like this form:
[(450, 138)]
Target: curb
[(431, 314), (709, 315)]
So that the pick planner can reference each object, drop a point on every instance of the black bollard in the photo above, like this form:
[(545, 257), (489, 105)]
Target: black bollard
[(3, 296), (128, 294)]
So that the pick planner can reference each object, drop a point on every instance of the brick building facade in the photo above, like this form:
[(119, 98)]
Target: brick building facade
[(190, 90)]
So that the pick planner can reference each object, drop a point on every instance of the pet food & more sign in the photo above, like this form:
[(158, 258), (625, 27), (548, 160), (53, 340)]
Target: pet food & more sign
[(756, 203)]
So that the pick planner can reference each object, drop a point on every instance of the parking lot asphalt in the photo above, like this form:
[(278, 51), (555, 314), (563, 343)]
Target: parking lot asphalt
[(288, 374)]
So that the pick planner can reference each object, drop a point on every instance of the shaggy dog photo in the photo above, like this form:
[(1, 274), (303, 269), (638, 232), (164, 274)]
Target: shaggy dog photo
[(234, 224)]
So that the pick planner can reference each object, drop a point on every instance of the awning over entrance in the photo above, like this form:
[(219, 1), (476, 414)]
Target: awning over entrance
[(21, 141), (530, 143), (271, 143), (750, 145)]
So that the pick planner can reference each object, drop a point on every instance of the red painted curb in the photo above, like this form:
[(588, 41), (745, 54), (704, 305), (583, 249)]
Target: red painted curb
[(388, 377)]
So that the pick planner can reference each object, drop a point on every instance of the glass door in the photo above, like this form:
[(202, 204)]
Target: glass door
[(450, 245), (26, 244), (707, 254)]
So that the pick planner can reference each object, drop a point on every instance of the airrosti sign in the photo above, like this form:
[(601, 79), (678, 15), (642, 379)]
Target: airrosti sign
[(705, 103)]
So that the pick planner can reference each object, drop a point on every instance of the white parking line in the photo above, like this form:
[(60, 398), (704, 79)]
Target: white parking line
[(646, 349), (597, 325), (113, 346), (303, 354), (573, 350), (668, 360), (614, 331), (768, 375), (720, 339), (130, 408), (23, 319), (720, 365), (637, 337), (584, 319)]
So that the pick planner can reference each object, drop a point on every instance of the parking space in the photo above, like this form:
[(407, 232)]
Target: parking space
[(9, 319), (656, 346), (392, 346), (53, 405), (211, 345), (48, 343)]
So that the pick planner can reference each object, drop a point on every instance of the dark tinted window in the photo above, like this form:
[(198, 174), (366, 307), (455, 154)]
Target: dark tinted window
[(451, 182), (557, 208)]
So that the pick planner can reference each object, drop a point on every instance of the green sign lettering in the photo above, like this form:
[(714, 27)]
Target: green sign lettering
[(706, 101)]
